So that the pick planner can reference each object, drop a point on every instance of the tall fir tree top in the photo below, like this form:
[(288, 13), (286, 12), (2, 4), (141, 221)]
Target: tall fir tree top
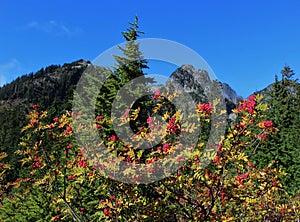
[(132, 32), (132, 63), (287, 72)]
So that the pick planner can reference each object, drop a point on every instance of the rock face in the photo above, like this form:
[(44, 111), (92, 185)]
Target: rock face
[(195, 82), (230, 94), (199, 85)]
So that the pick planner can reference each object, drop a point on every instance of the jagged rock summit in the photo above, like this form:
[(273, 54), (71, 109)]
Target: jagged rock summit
[(199, 85)]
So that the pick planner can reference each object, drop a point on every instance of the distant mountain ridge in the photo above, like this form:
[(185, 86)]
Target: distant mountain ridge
[(230, 93), (266, 91), (56, 82)]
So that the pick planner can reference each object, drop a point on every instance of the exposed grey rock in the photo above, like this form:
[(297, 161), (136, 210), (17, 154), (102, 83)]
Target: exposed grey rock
[(230, 94), (200, 87)]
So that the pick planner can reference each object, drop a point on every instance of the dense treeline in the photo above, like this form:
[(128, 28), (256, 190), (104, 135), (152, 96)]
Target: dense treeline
[(283, 149)]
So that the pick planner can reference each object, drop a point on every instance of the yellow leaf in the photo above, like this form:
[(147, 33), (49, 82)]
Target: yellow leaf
[(166, 116), (135, 113), (140, 153), (3, 155)]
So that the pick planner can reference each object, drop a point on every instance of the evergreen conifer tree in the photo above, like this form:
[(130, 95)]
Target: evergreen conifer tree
[(284, 148), (128, 67)]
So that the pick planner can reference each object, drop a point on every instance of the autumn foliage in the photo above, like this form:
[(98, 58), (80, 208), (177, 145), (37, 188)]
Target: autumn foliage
[(229, 188)]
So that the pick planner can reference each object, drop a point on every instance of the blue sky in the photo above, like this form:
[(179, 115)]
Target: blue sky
[(245, 42)]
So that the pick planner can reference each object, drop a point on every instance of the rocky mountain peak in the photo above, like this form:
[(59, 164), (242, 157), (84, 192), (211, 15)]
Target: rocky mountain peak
[(199, 84)]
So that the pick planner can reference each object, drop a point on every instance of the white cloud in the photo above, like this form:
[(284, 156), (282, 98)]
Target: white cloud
[(2, 80), (50, 26), (8, 70)]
